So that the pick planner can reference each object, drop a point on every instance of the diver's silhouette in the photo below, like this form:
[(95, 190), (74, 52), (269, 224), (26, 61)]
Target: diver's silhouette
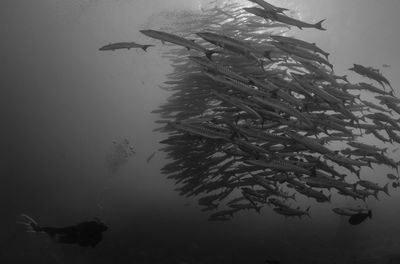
[(85, 234)]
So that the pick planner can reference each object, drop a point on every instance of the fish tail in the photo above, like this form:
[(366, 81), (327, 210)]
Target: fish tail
[(145, 47), (344, 77), (318, 25), (370, 214), (326, 54), (385, 189)]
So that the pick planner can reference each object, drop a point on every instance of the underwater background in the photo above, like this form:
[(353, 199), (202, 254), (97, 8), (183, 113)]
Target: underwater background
[(78, 131)]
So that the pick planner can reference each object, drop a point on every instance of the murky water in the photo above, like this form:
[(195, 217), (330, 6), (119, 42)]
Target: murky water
[(79, 134)]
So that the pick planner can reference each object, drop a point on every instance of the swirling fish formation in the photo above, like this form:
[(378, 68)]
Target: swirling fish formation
[(257, 118)]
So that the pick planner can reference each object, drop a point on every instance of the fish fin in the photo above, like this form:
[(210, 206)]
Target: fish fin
[(370, 214), (385, 189), (318, 25)]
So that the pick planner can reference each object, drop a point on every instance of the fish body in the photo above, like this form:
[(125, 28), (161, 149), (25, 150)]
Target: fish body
[(269, 7), (278, 203), (371, 73), (231, 44), (293, 22), (350, 192), (281, 165), (125, 45), (218, 68), (316, 90), (300, 43), (366, 147), (373, 186), (288, 211), (311, 143), (323, 182), (201, 131), (309, 192), (301, 53), (168, 37), (283, 107), (374, 106), (347, 211)]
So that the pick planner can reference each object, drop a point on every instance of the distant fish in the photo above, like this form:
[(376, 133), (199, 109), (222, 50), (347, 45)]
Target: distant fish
[(125, 45), (358, 218), (385, 65), (150, 157)]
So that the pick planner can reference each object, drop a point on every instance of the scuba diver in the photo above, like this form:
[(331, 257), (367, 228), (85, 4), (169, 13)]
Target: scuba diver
[(84, 234)]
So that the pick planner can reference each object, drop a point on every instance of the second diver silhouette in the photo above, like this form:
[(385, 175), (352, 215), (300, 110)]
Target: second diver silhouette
[(84, 234)]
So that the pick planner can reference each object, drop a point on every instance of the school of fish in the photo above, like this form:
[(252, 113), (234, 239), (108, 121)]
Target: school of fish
[(258, 118)]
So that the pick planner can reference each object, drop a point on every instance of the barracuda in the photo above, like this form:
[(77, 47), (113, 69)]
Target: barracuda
[(125, 45), (374, 186), (287, 211), (218, 68), (309, 192), (371, 73), (311, 143), (300, 43), (167, 37), (269, 7), (201, 131), (280, 165), (280, 106), (302, 53), (231, 45)]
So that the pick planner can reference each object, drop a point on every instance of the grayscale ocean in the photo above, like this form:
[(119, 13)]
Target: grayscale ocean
[(200, 131)]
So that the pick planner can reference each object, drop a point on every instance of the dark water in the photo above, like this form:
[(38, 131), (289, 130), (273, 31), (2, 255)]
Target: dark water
[(66, 106)]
